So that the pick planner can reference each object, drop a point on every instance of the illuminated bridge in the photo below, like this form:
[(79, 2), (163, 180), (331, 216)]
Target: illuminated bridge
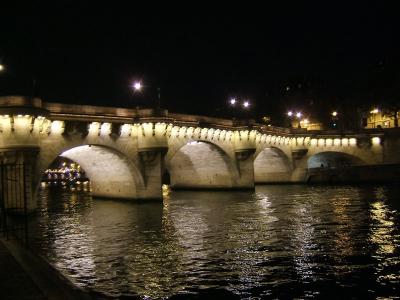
[(126, 153)]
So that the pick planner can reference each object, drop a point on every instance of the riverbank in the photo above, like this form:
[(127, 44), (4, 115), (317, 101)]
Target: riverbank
[(24, 275), (389, 173)]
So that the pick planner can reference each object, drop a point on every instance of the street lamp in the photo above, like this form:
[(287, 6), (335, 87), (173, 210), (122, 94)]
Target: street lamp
[(291, 114), (334, 119), (236, 104), (3, 68), (234, 101), (138, 86)]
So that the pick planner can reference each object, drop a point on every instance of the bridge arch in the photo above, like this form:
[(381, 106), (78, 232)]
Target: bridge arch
[(333, 159), (272, 165), (111, 173), (200, 164), (330, 166)]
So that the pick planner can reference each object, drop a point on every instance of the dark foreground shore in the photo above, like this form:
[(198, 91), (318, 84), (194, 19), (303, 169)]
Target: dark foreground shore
[(26, 276)]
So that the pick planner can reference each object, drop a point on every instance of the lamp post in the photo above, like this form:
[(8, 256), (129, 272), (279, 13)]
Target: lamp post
[(33, 80), (138, 87), (334, 119), (296, 115), (238, 106)]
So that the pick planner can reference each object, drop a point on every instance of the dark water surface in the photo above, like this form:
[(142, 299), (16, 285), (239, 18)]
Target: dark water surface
[(290, 241)]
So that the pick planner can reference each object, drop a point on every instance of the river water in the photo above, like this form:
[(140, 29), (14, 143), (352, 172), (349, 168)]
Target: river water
[(279, 241)]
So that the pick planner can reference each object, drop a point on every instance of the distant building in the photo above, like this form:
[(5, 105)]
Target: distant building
[(379, 119), (307, 124), (64, 171)]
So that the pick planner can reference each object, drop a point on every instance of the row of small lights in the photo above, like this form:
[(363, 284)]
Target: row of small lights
[(22, 116), (334, 113), (137, 86), (299, 114)]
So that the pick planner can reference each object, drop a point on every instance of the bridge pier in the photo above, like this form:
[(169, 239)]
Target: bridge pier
[(300, 168), (152, 147), (245, 166), (244, 147), (152, 166)]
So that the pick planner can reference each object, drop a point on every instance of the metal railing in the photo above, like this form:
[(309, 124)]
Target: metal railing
[(13, 201)]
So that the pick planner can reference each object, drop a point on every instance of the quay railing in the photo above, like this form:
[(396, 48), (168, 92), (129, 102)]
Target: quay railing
[(13, 201)]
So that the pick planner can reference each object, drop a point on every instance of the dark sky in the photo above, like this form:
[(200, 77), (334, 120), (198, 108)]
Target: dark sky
[(328, 55)]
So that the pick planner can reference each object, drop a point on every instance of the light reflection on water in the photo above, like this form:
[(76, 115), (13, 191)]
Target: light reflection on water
[(279, 241)]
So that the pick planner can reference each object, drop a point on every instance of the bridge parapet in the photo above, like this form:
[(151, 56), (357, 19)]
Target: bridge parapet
[(149, 139)]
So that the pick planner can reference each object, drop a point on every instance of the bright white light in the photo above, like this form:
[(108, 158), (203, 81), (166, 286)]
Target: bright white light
[(94, 128), (57, 127), (1, 67), (314, 142), (298, 114), (290, 113), (137, 86), (246, 104), (374, 111), (376, 140), (232, 101), (126, 129), (334, 113), (105, 129)]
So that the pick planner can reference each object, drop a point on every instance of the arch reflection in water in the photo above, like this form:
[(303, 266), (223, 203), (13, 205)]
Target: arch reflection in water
[(281, 241)]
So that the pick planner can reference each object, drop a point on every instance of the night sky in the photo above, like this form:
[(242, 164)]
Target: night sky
[(312, 58)]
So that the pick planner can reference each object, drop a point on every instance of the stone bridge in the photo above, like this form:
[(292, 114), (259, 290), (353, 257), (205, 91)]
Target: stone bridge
[(126, 153)]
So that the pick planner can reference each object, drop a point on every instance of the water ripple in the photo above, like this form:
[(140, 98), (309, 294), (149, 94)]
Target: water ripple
[(278, 242)]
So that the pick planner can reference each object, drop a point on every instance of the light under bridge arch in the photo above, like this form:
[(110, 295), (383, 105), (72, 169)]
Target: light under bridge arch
[(331, 166), (111, 173), (333, 159), (200, 164), (271, 165)]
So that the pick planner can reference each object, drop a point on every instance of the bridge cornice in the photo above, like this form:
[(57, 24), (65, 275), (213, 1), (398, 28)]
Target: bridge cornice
[(212, 152), (16, 105)]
